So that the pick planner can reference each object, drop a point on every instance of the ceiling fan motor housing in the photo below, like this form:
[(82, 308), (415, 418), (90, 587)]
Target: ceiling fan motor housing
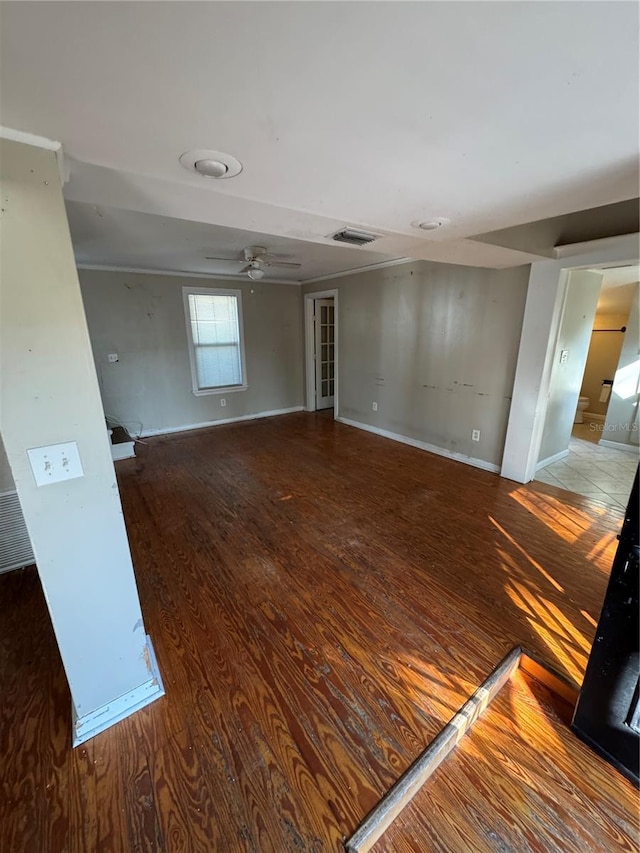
[(254, 253)]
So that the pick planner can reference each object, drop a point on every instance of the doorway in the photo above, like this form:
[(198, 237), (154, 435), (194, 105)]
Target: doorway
[(536, 353), (321, 351), (589, 444)]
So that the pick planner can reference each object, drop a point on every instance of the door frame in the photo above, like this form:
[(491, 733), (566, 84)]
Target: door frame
[(309, 343), (540, 329)]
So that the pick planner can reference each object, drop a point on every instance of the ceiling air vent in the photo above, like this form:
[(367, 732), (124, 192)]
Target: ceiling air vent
[(353, 237)]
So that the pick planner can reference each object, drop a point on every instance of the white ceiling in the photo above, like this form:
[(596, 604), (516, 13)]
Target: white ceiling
[(619, 276), (105, 236), (618, 289), (374, 115)]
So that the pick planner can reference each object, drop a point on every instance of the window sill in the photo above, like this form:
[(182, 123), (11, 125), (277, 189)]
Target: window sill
[(230, 389)]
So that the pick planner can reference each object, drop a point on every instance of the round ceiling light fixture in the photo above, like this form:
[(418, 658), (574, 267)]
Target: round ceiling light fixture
[(255, 273), (432, 224), (211, 168), (210, 164)]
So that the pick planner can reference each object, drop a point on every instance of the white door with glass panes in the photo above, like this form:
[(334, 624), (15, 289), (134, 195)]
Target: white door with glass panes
[(325, 353)]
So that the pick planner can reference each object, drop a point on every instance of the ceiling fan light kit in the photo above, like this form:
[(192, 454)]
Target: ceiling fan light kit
[(255, 273)]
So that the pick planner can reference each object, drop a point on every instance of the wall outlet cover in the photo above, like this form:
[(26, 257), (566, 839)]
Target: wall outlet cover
[(475, 435), (55, 463), (223, 402), (374, 407), (112, 357)]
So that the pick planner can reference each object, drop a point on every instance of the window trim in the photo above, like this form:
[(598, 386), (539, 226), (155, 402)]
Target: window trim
[(213, 291)]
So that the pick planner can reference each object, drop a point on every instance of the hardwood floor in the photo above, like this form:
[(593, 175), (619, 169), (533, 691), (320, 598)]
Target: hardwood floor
[(321, 600), (519, 781)]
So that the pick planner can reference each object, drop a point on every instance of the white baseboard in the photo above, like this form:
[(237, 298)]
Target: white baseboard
[(147, 433), (592, 416), (103, 718), (423, 445), (618, 445), (551, 459)]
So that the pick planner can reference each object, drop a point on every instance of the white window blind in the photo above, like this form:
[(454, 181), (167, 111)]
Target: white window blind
[(214, 320)]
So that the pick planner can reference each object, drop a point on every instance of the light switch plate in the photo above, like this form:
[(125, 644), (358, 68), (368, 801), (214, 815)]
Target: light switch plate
[(55, 463)]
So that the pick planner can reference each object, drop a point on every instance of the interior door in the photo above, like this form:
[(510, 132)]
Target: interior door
[(324, 353)]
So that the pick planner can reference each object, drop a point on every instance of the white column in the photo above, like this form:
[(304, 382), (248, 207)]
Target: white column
[(49, 395), (542, 314)]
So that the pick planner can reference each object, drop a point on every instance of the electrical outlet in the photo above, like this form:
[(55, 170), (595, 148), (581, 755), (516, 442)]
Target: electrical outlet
[(475, 435), (374, 407), (55, 463), (564, 356), (223, 402), (112, 357)]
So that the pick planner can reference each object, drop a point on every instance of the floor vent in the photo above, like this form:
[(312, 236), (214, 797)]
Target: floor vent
[(15, 544)]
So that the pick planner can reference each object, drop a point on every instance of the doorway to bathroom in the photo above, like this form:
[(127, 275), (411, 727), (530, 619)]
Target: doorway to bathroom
[(590, 438)]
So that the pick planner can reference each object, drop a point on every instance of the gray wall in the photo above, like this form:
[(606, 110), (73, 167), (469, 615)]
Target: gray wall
[(622, 423), (141, 318), (583, 289), (435, 345)]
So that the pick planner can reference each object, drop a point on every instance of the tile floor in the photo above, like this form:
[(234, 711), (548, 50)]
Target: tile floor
[(602, 474)]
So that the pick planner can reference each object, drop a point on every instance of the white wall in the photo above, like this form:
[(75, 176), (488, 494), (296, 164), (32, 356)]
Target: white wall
[(50, 395), (622, 424), (141, 318), (581, 299), (435, 346)]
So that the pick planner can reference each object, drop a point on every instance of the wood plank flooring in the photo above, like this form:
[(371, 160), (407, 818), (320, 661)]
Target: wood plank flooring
[(321, 600), (519, 781)]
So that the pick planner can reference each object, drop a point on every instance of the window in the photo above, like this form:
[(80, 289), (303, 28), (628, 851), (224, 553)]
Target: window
[(216, 346)]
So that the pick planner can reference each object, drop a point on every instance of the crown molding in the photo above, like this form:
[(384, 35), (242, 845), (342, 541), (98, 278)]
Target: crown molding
[(356, 270), (183, 274)]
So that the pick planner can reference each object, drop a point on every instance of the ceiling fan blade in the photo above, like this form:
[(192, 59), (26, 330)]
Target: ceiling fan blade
[(244, 269), (272, 263), (226, 260)]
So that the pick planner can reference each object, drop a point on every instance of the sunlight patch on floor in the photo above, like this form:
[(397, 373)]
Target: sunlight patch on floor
[(536, 565), (567, 522)]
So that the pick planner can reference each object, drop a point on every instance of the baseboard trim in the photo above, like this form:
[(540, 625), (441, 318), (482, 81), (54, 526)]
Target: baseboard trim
[(551, 459), (108, 715), (423, 445), (592, 416), (148, 433), (617, 445)]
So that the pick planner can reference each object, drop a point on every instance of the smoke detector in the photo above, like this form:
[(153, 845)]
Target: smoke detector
[(210, 164)]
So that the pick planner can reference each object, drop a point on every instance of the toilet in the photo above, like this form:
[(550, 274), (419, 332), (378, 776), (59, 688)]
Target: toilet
[(583, 402)]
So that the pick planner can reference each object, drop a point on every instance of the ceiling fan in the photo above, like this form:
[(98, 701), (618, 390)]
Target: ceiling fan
[(255, 259)]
